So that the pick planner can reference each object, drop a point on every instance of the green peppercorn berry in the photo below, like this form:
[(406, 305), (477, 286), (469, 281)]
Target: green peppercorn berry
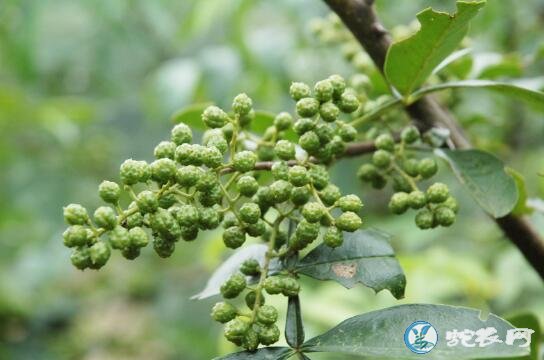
[(219, 142), (264, 197), (257, 229), (289, 286), (385, 142), (81, 258), (280, 170), (444, 216), (285, 150), (268, 335), (367, 172), (300, 195), (309, 141), (236, 329), (350, 203), (250, 213), (75, 214), (325, 133), (75, 235), (100, 253), (251, 297), (133, 171), (452, 204), (105, 217), (214, 117), (134, 220), (188, 176), (265, 152), (119, 238), (247, 185), (313, 212), (166, 200), (196, 155), (401, 183), (298, 175), (163, 170), (438, 193), (337, 145), (299, 90), (250, 267), (233, 286), (399, 203), (181, 134), (424, 219), (189, 233), (417, 199), (234, 237), (223, 312), (212, 157), (381, 158), (410, 134), (242, 104), (323, 90), (267, 315), (307, 107), (378, 182), (427, 168), (250, 342), (130, 253), (165, 149), (348, 103), (163, 247), (411, 167), (347, 132), (280, 190), (333, 237), (185, 154), (306, 231), (207, 181), (338, 84), (273, 285), (349, 221), (283, 121), (109, 191), (147, 202), (319, 177), (164, 223), (303, 125), (137, 237), (324, 154), (208, 219), (246, 119), (244, 161), (330, 194)]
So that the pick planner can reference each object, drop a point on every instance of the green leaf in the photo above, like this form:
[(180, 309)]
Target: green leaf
[(409, 62), (516, 89), (191, 115), (232, 265), (365, 257), (381, 333), (268, 353), (521, 207), (528, 321), (484, 177), (294, 329)]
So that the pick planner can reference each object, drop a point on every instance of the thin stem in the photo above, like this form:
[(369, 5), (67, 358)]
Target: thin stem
[(377, 112)]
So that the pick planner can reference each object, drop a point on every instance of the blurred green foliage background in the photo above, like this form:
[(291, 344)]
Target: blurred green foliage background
[(87, 84)]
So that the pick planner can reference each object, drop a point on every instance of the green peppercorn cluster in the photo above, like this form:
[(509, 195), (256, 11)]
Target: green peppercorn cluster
[(257, 323), (394, 162)]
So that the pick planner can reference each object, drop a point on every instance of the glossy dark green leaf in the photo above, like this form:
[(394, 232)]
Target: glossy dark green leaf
[(269, 353), (294, 329), (485, 178), (515, 89), (381, 334), (365, 257), (410, 61), (232, 265), (191, 115)]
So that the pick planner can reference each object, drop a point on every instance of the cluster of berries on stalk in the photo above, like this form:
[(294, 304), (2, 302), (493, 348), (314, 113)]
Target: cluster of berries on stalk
[(394, 162), (190, 188)]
